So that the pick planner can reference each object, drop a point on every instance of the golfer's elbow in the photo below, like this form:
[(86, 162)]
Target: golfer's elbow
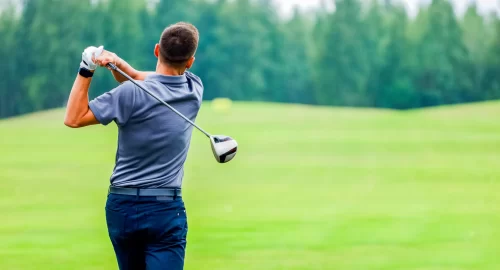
[(71, 123)]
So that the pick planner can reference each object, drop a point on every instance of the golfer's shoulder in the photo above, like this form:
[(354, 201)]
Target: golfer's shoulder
[(192, 76), (125, 88), (126, 85), (131, 89)]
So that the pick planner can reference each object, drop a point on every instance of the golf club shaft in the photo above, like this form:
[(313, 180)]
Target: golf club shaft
[(115, 68)]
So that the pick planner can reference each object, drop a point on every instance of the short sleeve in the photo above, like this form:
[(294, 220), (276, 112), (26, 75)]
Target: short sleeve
[(116, 105)]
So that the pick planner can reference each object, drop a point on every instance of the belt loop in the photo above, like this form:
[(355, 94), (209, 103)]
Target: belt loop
[(138, 193), (175, 194)]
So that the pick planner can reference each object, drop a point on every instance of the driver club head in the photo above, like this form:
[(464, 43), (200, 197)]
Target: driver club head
[(223, 147)]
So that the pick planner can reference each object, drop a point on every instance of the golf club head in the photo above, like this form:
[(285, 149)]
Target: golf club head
[(223, 147)]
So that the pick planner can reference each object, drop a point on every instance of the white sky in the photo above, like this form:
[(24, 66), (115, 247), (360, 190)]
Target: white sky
[(411, 5)]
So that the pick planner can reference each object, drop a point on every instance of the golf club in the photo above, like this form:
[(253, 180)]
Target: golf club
[(223, 147)]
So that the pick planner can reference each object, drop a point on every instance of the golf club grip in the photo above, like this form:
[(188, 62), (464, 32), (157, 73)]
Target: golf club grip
[(115, 68)]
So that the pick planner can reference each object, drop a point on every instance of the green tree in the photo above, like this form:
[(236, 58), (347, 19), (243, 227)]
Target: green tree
[(491, 82), (119, 35), (145, 53), (375, 37), (478, 39), (52, 38), (22, 104), (238, 53), (396, 88), (342, 59), (442, 76), (296, 51), (10, 94), (272, 61)]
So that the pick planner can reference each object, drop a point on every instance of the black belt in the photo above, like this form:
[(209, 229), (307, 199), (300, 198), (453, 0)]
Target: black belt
[(170, 192)]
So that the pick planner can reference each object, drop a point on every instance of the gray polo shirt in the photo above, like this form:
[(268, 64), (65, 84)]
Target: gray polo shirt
[(153, 141)]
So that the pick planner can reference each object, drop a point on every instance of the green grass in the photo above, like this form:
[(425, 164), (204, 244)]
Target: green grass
[(311, 188)]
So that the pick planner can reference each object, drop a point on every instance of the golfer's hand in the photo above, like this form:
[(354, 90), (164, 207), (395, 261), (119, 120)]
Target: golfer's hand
[(107, 57), (89, 55)]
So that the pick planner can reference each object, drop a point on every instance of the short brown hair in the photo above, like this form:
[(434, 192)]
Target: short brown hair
[(178, 43)]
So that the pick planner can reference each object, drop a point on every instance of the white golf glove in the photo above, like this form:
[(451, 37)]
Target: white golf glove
[(88, 55)]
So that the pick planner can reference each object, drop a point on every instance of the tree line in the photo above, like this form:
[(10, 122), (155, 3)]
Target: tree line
[(370, 55)]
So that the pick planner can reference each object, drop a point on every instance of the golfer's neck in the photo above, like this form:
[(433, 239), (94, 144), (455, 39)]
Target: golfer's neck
[(169, 71)]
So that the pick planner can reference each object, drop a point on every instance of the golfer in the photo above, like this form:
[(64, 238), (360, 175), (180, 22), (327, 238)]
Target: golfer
[(145, 212)]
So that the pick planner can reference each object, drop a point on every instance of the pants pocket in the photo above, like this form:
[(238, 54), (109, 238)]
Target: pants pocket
[(183, 227), (181, 223), (116, 222)]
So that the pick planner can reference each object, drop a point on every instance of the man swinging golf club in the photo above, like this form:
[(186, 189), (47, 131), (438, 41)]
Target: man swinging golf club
[(145, 213)]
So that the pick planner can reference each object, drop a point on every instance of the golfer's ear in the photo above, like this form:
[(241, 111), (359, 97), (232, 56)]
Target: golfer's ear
[(190, 62), (157, 50)]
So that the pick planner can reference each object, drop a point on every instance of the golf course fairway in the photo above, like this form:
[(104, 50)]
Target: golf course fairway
[(311, 188)]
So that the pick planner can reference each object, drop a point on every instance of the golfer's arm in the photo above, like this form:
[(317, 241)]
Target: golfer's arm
[(129, 70), (78, 113)]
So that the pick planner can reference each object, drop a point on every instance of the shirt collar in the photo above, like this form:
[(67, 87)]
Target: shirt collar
[(167, 79)]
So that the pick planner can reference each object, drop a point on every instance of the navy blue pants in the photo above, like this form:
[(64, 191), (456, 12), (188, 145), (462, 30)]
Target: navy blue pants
[(147, 232)]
